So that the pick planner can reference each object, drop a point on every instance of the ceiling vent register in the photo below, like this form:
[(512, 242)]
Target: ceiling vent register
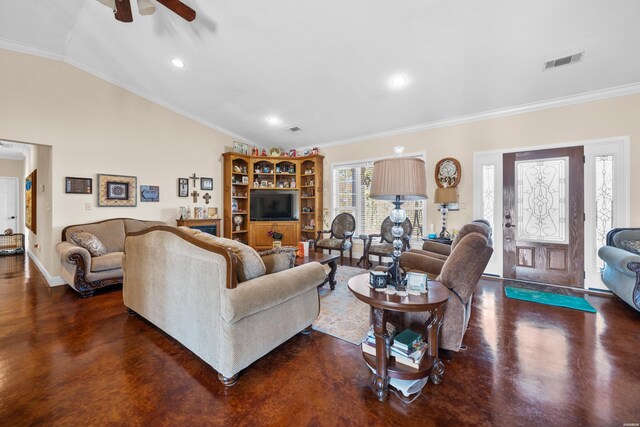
[(571, 59)]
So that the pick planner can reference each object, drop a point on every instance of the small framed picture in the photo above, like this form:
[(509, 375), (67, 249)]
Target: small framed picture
[(240, 147), (149, 193), (75, 185), (264, 184), (245, 179), (183, 187), (206, 183), (117, 190), (416, 282), (212, 213)]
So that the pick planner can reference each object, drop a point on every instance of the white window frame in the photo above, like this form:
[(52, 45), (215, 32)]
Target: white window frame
[(358, 163), (618, 146)]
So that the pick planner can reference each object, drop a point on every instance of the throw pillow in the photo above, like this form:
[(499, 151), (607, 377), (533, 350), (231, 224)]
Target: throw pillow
[(89, 242), (631, 246)]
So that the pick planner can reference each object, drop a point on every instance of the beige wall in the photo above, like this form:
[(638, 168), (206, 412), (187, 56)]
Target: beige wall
[(10, 167), (588, 121), (95, 127)]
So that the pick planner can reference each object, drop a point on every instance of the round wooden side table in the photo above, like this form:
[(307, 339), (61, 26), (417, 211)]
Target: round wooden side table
[(381, 303)]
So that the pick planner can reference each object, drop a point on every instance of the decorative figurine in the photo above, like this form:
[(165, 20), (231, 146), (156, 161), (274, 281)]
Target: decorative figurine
[(264, 152)]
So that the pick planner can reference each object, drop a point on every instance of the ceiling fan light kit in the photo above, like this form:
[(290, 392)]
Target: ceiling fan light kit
[(122, 8), (145, 7)]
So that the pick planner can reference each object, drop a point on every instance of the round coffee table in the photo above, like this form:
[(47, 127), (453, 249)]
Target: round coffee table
[(381, 303)]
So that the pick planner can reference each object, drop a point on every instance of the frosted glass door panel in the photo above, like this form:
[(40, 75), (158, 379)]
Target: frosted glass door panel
[(541, 200)]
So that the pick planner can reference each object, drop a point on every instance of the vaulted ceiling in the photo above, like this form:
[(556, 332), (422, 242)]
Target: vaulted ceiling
[(325, 66)]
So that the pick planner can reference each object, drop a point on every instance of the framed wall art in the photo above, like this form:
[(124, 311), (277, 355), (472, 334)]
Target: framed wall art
[(206, 183), (30, 196), (75, 185), (149, 193), (240, 147), (183, 187), (117, 190)]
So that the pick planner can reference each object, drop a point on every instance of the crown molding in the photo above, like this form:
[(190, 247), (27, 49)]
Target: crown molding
[(31, 50), (493, 114)]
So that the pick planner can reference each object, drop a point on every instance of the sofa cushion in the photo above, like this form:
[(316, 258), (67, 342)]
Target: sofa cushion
[(88, 241), (630, 245), (110, 261), (249, 265), (133, 225), (111, 233)]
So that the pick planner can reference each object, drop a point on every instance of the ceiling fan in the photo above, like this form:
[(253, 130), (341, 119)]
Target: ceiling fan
[(122, 8)]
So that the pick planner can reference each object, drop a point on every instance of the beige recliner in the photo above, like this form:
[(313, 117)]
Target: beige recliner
[(217, 297)]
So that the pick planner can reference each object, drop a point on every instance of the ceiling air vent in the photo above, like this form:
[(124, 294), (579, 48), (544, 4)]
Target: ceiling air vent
[(295, 129), (571, 59)]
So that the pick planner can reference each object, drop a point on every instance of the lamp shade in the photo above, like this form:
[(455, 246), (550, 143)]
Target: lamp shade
[(446, 195), (399, 176)]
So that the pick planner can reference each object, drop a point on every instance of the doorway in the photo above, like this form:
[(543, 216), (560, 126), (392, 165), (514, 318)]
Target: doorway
[(543, 209), (9, 204), (606, 193)]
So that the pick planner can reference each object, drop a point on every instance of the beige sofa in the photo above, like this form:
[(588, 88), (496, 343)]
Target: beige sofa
[(219, 298), (85, 273)]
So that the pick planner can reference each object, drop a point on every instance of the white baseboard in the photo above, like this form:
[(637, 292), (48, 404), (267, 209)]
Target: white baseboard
[(51, 280)]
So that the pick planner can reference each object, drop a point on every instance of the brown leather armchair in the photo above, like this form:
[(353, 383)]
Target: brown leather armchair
[(460, 273), (340, 235), (431, 258)]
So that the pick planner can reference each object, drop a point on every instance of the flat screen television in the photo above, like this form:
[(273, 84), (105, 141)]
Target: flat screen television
[(273, 206)]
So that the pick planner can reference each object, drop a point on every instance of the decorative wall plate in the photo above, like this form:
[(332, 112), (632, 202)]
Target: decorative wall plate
[(275, 151), (448, 172)]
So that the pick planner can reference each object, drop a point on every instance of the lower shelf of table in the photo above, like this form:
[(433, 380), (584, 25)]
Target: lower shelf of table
[(402, 372)]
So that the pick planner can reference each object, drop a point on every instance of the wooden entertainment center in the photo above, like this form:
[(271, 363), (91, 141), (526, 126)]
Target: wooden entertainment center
[(300, 176)]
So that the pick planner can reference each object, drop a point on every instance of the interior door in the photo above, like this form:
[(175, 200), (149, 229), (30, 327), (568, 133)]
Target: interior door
[(543, 208), (8, 204)]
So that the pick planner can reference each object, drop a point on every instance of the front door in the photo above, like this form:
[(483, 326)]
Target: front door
[(8, 204), (543, 216)]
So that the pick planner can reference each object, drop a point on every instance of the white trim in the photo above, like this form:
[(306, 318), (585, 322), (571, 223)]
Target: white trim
[(30, 50), (51, 280), (494, 114), (591, 148)]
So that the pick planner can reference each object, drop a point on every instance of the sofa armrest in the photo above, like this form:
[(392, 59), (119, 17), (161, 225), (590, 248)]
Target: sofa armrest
[(618, 259), (438, 248), (65, 250), (267, 291)]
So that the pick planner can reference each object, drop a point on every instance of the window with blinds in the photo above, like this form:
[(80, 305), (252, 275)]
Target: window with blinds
[(351, 187)]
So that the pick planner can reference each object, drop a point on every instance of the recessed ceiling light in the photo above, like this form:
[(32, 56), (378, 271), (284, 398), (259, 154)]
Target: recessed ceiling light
[(398, 81), (273, 120), (177, 62)]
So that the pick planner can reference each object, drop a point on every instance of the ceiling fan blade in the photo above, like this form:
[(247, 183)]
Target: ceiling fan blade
[(179, 8), (123, 11)]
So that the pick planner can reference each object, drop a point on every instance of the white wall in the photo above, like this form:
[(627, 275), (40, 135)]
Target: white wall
[(95, 127)]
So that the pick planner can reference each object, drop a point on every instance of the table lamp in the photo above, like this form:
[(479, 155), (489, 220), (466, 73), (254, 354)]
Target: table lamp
[(445, 196), (398, 179)]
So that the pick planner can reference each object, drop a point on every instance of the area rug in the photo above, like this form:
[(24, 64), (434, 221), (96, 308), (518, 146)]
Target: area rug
[(341, 314), (549, 298)]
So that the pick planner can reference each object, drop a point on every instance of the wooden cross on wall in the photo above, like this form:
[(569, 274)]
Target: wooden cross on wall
[(194, 177), (206, 198), (195, 195)]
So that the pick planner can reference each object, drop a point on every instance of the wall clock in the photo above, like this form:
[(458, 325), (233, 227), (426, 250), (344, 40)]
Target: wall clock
[(448, 172)]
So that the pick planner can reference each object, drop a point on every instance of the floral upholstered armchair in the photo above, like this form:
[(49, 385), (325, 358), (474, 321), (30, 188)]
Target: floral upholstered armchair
[(382, 244), (340, 236), (621, 273)]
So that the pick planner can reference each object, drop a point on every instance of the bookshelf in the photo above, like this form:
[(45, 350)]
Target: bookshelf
[(244, 174)]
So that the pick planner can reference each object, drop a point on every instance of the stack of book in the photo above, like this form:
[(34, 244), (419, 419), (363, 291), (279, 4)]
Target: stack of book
[(407, 349)]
